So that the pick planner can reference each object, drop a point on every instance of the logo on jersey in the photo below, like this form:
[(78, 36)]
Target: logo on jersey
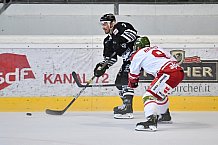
[(14, 67), (115, 32)]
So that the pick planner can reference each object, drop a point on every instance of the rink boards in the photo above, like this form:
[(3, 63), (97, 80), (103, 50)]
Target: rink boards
[(102, 103), (35, 73)]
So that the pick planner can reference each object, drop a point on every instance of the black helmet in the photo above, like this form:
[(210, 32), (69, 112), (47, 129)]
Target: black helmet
[(108, 17)]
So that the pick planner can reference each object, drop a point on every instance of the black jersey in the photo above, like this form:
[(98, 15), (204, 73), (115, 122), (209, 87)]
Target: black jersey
[(120, 41)]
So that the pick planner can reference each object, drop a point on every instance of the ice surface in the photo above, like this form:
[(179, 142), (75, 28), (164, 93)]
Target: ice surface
[(100, 128)]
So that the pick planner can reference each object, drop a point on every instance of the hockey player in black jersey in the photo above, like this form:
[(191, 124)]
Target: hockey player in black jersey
[(120, 39)]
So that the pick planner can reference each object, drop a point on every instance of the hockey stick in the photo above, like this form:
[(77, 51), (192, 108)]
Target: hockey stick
[(60, 112), (94, 85)]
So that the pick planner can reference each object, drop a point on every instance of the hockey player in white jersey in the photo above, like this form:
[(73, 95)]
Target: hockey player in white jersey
[(168, 74)]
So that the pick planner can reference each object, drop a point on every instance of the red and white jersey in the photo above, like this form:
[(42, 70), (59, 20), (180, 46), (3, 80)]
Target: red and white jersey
[(153, 60)]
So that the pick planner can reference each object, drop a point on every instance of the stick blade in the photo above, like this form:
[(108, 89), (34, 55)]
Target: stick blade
[(54, 112)]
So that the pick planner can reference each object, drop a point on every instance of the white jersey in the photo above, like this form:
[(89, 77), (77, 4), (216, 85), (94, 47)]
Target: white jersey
[(151, 59)]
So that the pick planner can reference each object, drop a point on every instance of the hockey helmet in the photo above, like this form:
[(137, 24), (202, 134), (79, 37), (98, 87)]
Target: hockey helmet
[(141, 42), (108, 17)]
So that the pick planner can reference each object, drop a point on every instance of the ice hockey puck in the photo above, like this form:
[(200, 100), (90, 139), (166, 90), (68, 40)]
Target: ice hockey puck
[(28, 114)]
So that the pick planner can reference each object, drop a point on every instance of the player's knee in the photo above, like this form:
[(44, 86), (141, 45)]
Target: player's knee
[(118, 86), (148, 97)]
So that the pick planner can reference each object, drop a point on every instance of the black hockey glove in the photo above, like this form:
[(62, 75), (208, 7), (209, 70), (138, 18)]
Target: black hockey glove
[(99, 71)]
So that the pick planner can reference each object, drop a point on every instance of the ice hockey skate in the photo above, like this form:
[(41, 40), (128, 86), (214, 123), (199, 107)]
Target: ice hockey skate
[(123, 112), (165, 118), (149, 125)]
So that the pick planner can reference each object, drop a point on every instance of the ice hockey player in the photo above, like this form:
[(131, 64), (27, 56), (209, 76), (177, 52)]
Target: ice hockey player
[(167, 75), (120, 39)]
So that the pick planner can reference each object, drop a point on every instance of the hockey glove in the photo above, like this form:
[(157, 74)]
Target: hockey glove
[(99, 70), (133, 81)]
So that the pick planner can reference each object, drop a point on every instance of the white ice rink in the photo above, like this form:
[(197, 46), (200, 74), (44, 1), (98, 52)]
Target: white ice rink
[(99, 128)]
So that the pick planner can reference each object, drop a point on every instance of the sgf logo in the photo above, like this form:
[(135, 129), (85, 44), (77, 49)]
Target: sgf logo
[(13, 67)]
